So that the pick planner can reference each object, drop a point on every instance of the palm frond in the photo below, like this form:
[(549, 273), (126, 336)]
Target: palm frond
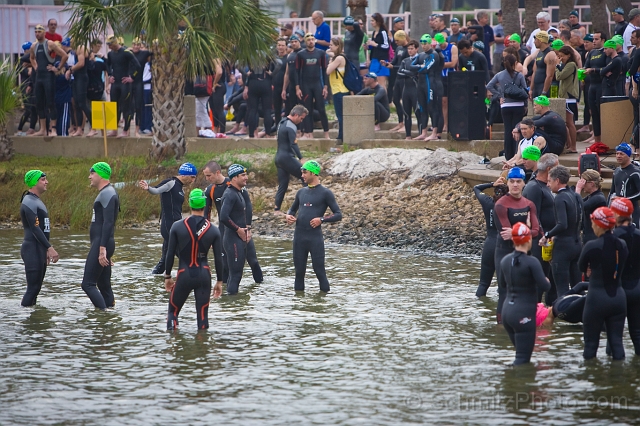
[(91, 19), (10, 93)]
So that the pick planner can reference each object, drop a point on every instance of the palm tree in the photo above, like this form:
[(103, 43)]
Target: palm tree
[(186, 37), (10, 101)]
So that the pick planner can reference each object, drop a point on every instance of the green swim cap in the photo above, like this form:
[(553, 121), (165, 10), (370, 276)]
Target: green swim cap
[(32, 177), (440, 38), (426, 38), (557, 44), (618, 39), (515, 37), (102, 169), (541, 100), (312, 166), (532, 153), (609, 44), (197, 200)]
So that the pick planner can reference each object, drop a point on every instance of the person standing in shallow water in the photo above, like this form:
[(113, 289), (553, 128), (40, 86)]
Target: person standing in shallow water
[(311, 204), (36, 250), (96, 281)]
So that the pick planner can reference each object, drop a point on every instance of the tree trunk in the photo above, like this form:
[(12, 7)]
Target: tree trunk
[(394, 7), (599, 17), (6, 145), (625, 4), (448, 5), (532, 8), (357, 9), (566, 6), (510, 18), (419, 24), (306, 8), (168, 100)]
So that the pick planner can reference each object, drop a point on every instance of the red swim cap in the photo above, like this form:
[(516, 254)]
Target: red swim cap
[(520, 233), (603, 217), (622, 207)]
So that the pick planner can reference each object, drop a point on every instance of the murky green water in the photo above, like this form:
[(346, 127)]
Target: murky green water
[(400, 340)]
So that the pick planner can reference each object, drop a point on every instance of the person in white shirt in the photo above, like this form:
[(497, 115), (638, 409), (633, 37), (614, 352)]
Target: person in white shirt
[(634, 24), (543, 19)]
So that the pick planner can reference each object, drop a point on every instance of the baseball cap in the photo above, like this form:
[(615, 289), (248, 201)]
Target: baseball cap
[(454, 21), (574, 13), (371, 75), (618, 10), (287, 27), (499, 12), (543, 36), (398, 19), (588, 37), (348, 20)]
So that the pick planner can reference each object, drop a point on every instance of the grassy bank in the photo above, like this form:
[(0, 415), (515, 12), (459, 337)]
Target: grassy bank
[(69, 198)]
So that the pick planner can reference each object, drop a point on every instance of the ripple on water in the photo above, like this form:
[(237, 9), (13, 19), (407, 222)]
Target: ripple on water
[(401, 339)]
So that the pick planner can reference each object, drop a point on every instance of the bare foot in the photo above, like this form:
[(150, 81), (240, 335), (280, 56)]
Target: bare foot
[(40, 133), (397, 128), (112, 133), (420, 138), (76, 133), (92, 133), (584, 129), (124, 134), (408, 138), (590, 140), (138, 135), (53, 133), (30, 132), (326, 135), (431, 138), (377, 128), (262, 134)]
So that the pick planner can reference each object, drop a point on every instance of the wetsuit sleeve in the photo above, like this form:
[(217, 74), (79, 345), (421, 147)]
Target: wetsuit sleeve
[(562, 222), (484, 199), (579, 288), (539, 277), (109, 223), (333, 205), (380, 95), (291, 135), (613, 66), (217, 256), (323, 65), (134, 65), (249, 206), (171, 248), (109, 64), (502, 216), (30, 217), (295, 206), (225, 211), (635, 180), (163, 187), (535, 225), (634, 64), (299, 66), (585, 256), (208, 193)]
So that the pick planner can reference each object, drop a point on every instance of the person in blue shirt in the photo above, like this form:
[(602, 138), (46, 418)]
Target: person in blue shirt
[(323, 32)]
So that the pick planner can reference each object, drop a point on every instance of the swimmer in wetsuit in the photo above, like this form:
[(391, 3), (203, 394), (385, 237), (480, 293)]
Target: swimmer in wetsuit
[(235, 214), (190, 239), (568, 308), (623, 210), (171, 199), (213, 193), (521, 279), (311, 204), (96, 281), (487, 265), (286, 162), (36, 250), (123, 68), (626, 180), (606, 303), (509, 210)]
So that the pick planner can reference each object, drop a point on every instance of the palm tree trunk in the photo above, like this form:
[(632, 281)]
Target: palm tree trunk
[(599, 17), (510, 18), (6, 145), (168, 99), (358, 10), (306, 8), (532, 8), (566, 6), (420, 11), (625, 4), (394, 7)]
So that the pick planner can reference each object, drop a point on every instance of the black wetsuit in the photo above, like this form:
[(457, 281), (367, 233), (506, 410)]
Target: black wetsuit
[(400, 55), (45, 82), (626, 183), (542, 197), (606, 302), (190, 239), (589, 204), (95, 72), (426, 66), (541, 72), (122, 63), (171, 201), (507, 212), (475, 62), (409, 93), (286, 161), (310, 203), (260, 93), (292, 72), (610, 83), (570, 307), (278, 84), (236, 213), (622, 77), (352, 43), (27, 77), (79, 86), (554, 130), (96, 281), (522, 279), (597, 60), (566, 240), (487, 265), (311, 66), (630, 280), (239, 105), (382, 110), (35, 221), (138, 86)]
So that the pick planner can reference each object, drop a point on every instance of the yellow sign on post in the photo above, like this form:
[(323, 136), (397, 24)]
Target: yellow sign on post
[(104, 115)]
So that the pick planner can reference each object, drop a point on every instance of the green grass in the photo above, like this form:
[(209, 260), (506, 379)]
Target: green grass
[(69, 198)]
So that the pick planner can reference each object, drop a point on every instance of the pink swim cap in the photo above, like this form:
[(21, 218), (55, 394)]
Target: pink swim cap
[(541, 314)]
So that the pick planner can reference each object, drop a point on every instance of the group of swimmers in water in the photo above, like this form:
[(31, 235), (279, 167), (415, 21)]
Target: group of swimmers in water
[(191, 238), (595, 283)]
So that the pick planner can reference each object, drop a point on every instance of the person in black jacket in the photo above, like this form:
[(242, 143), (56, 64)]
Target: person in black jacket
[(590, 183)]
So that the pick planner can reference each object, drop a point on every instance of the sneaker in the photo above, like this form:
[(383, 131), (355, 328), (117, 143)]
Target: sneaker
[(147, 132), (159, 269)]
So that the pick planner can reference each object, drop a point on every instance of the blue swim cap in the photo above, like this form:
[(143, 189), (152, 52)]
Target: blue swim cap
[(516, 173), (188, 169), (626, 148), (26, 45), (66, 42)]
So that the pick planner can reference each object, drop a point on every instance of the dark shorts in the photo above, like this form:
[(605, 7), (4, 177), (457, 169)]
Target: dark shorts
[(573, 109)]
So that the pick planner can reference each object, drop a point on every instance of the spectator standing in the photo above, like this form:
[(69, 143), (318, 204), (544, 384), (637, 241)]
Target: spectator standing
[(323, 32), (618, 18), (335, 71), (567, 75), (439, 26), (543, 20), (63, 99), (456, 34), (472, 60), (586, 84), (51, 35), (498, 37), (395, 95), (590, 183), (143, 56), (634, 23), (379, 46), (353, 38), (543, 67), (489, 40)]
